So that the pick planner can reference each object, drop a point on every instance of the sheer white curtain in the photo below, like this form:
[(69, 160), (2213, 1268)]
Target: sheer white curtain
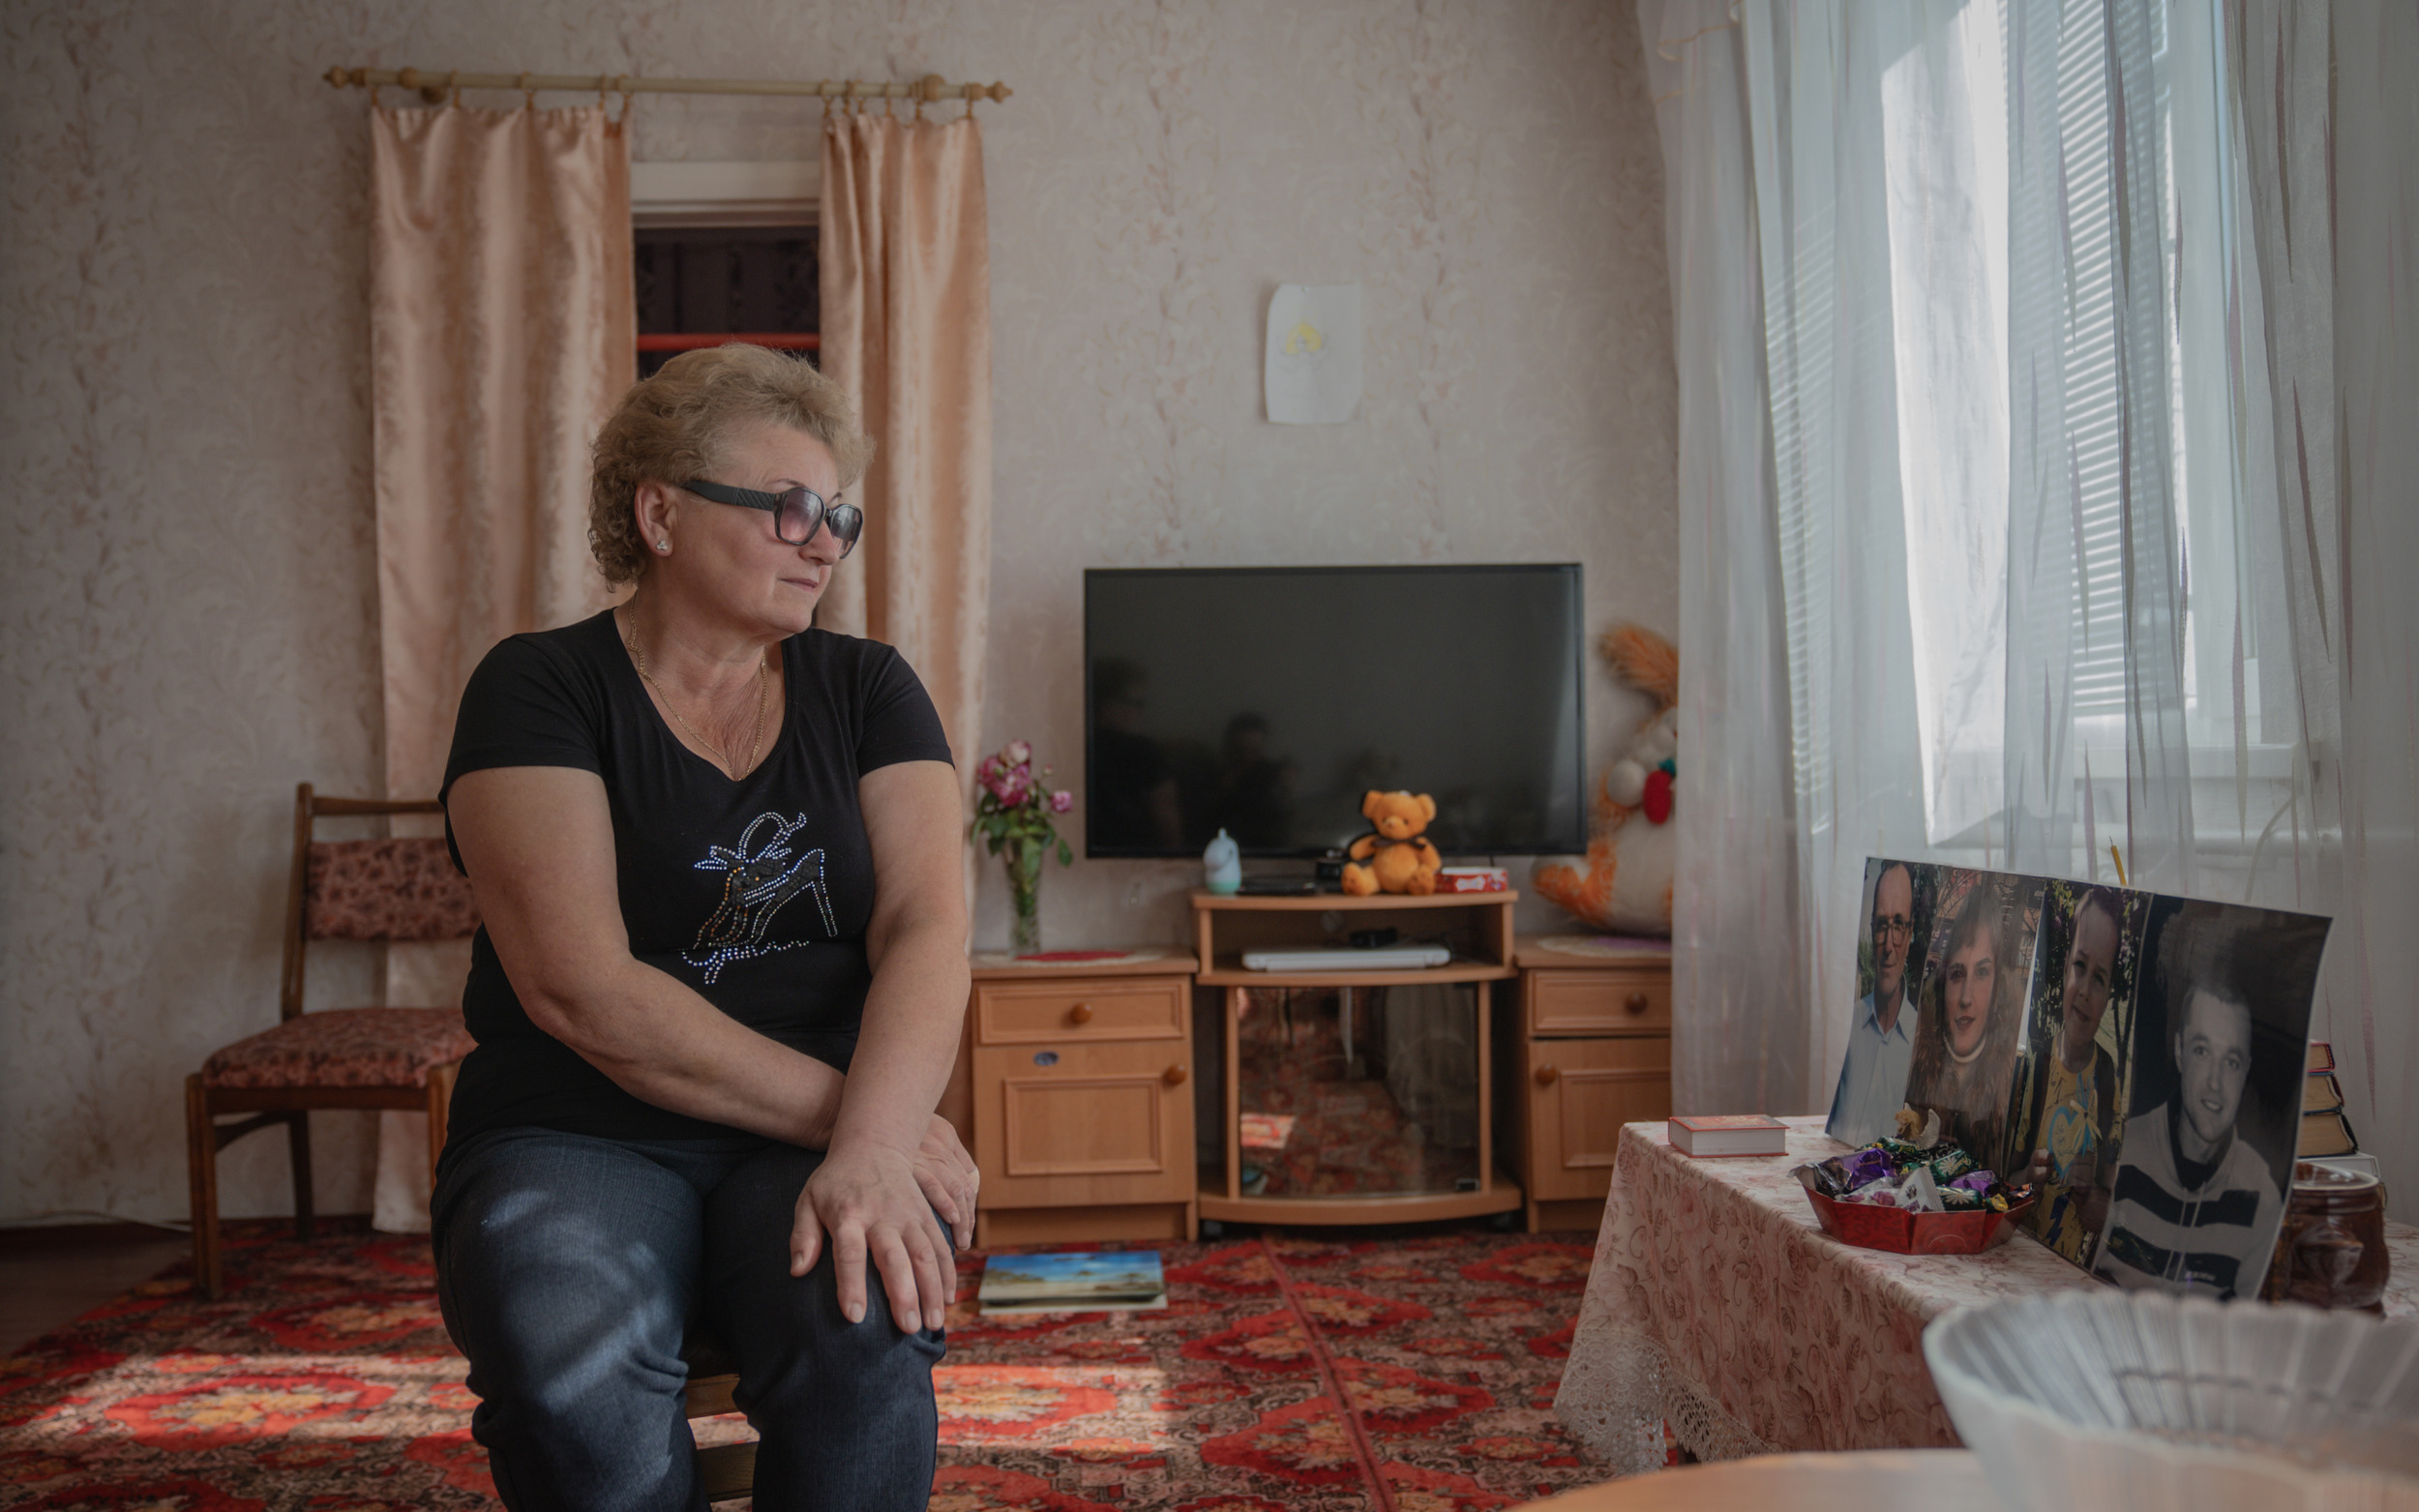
[(2328, 120), (2013, 546), (1878, 291), (1735, 890)]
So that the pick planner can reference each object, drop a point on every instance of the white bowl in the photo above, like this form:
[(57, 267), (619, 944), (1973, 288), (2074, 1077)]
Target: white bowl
[(2143, 1401)]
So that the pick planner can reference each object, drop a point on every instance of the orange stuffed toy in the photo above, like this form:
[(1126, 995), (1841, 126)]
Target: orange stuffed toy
[(1395, 858), (1627, 886)]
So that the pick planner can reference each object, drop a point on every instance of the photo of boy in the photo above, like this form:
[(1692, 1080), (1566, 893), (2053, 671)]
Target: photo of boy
[(2218, 1054), (2067, 1112)]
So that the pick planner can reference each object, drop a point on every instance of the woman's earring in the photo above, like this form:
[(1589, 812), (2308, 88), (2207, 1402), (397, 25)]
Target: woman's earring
[(663, 546)]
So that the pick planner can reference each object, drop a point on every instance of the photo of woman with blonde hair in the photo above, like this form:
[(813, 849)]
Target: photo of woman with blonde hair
[(1965, 1047)]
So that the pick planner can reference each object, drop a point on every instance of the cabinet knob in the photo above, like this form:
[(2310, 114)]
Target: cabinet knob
[(1173, 1075), (1546, 1076), (1636, 1003), (1081, 1013)]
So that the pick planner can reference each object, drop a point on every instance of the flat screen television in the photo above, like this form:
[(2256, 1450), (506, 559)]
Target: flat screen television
[(1267, 701)]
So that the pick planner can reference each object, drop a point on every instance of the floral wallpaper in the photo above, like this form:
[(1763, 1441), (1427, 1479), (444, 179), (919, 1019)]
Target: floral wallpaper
[(187, 587)]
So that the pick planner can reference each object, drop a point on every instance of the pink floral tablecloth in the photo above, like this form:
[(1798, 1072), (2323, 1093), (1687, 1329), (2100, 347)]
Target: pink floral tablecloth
[(1718, 1305)]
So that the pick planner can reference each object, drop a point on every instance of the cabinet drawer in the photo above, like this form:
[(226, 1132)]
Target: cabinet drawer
[(1111, 1008), (1579, 1093), (1078, 1125), (1598, 1002)]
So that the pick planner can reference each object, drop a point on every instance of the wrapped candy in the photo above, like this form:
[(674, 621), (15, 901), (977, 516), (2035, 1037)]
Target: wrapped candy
[(1947, 1161), (1918, 1129), (1918, 1193), (1867, 1165), (1927, 1183)]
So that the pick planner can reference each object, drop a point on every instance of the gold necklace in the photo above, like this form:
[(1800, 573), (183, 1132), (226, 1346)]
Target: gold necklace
[(755, 743)]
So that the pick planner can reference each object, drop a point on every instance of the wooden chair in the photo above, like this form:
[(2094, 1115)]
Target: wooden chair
[(395, 890), (725, 1469)]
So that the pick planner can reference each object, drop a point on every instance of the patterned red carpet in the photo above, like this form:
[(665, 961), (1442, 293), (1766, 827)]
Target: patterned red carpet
[(326, 1383)]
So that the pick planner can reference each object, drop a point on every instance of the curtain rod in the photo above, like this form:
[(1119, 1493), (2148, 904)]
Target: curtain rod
[(433, 86)]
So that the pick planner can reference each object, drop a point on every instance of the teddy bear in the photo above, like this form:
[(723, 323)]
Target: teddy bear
[(1395, 858), (1627, 886)]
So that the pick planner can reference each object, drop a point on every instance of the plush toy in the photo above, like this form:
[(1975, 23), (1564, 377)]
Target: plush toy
[(1627, 886), (1394, 859)]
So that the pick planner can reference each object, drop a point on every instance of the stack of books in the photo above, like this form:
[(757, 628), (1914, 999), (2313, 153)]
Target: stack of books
[(1111, 1281), (2325, 1133)]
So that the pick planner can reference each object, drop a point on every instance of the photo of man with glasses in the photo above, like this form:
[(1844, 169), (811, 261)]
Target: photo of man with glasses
[(1881, 1038)]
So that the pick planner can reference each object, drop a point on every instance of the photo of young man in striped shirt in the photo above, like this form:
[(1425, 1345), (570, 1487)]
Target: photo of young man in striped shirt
[(2201, 1185)]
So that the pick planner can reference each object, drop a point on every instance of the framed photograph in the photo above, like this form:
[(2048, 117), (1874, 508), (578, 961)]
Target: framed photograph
[(2067, 1103), (1970, 1013), (2220, 1035), (1897, 910)]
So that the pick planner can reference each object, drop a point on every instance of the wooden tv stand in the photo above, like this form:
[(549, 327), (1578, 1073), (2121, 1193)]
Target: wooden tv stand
[(1078, 1080), (1479, 926)]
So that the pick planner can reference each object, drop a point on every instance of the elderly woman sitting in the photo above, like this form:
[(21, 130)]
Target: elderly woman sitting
[(719, 987)]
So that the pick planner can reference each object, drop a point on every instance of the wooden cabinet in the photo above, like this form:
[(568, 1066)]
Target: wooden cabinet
[(1593, 1053), (1581, 1093), (1079, 1103)]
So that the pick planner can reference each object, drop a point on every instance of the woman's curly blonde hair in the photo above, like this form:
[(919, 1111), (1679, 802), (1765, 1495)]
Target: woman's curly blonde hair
[(672, 427)]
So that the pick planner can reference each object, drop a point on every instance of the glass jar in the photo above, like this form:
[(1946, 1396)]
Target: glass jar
[(2331, 1250)]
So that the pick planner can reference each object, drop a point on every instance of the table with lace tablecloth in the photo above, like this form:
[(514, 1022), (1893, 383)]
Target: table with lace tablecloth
[(1718, 1305)]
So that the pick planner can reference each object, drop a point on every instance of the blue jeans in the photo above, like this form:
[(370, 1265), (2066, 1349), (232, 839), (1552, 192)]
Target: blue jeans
[(569, 1267)]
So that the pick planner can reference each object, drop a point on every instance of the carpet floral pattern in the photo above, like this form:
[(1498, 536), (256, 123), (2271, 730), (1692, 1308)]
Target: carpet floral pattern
[(324, 1381)]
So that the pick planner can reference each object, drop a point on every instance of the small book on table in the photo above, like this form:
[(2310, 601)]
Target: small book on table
[(1704, 1135)]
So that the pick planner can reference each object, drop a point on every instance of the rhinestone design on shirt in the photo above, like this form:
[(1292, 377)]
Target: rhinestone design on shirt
[(764, 873)]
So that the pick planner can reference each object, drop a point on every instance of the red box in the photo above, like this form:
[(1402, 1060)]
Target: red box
[(1870, 1226), (1472, 879)]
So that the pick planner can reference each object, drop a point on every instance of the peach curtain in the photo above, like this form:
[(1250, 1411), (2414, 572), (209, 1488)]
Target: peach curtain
[(503, 328), (906, 257)]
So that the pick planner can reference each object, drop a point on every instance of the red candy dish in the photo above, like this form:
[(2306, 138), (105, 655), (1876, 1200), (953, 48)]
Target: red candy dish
[(1869, 1225)]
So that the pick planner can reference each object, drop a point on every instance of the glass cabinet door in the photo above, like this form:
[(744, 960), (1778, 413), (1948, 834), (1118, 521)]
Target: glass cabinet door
[(1363, 1091)]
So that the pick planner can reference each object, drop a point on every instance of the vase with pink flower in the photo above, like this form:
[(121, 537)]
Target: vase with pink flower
[(1012, 811)]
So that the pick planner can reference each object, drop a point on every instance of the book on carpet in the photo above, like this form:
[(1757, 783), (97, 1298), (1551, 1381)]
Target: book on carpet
[(1107, 1281), (1705, 1135)]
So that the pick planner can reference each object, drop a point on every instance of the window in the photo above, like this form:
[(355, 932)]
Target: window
[(705, 285), (2108, 369), (725, 251)]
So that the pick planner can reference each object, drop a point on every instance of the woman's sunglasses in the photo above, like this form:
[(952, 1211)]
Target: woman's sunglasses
[(796, 512)]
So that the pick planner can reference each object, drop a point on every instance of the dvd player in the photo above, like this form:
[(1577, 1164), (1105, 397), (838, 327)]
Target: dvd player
[(1395, 958)]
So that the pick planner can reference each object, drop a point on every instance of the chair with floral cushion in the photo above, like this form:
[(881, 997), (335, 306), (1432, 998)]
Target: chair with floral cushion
[(393, 890)]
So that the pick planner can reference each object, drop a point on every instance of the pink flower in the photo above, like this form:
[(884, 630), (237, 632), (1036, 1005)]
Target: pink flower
[(1014, 795), (1017, 753), (1061, 801)]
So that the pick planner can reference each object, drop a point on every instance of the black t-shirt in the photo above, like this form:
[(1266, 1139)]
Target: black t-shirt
[(756, 893)]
